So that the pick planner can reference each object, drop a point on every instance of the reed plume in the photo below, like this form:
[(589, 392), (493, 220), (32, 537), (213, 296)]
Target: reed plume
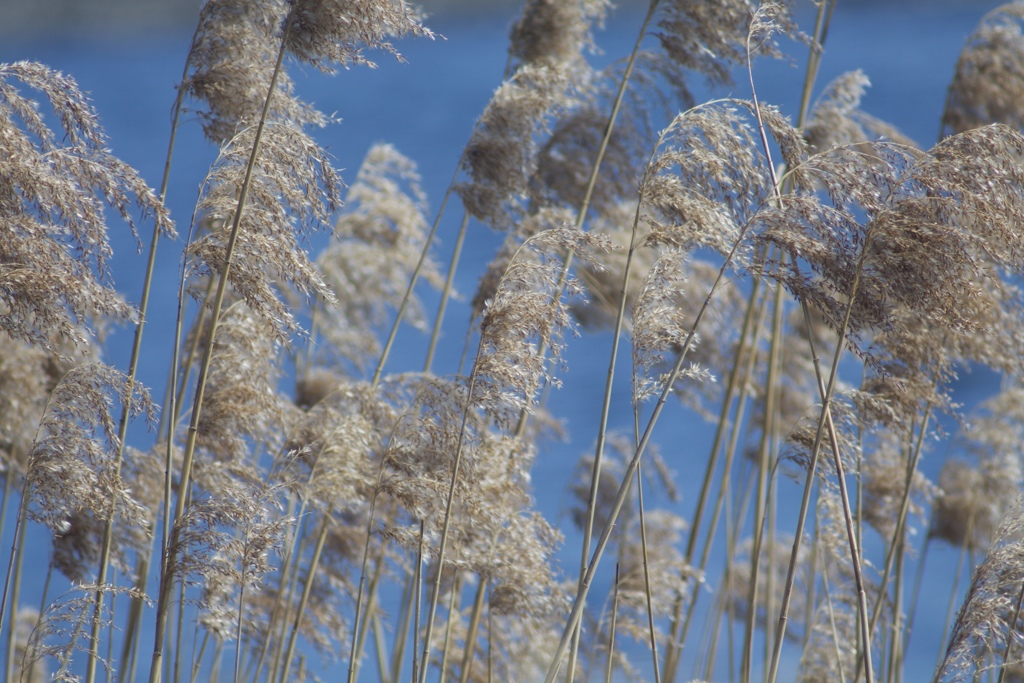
[(813, 283)]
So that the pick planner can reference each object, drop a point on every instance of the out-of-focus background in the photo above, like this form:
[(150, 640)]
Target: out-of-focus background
[(129, 55)]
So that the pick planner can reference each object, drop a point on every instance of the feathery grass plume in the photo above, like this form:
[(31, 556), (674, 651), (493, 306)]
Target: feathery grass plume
[(604, 285), (607, 486), (325, 31), (501, 538), (293, 189), (952, 210), (800, 439), (26, 671), (975, 495), (546, 218), (963, 514), (379, 239), (230, 534), (337, 446), (230, 67), (242, 409), (497, 534), (77, 546), (988, 83), (52, 198), (236, 569), (670, 575), (706, 181), (989, 615), (421, 454), (547, 70), (527, 313), (70, 466), (695, 38), (28, 374), (838, 121), (884, 481), (565, 160), (709, 39), (58, 632), (661, 325)]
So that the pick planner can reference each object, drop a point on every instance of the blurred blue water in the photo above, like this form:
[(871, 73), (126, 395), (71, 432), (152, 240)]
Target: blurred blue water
[(426, 108)]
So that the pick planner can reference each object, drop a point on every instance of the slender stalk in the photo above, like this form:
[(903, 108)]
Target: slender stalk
[(15, 592), (1014, 618), (418, 600), (238, 627), (402, 631), (19, 523), (612, 627), (198, 659), (446, 524), (471, 634), (371, 609), (168, 571), (771, 388), (306, 591), (651, 631), (578, 603), (380, 647), (677, 630), (133, 364), (454, 600), (951, 603), (908, 628), (446, 293)]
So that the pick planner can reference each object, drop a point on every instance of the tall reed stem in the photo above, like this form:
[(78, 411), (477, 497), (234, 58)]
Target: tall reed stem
[(168, 571)]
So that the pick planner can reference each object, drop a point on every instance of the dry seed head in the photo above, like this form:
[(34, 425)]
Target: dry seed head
[(565, 160), (501, 156), (706, 38), (554, 31), (293, 189), (604, 284), (230, 67), (379, 240), (241, 406), (661, 325), (988, 83), (323, 32), (974, 497), (837, 120), (988, 615), (338, 444), (28, 374), (527, 314), (71, 467), (52, 199), (884, 476), (706, 181)]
